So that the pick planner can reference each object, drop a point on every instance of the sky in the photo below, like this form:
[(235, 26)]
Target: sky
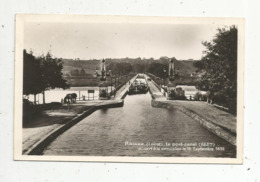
[(117, 40)]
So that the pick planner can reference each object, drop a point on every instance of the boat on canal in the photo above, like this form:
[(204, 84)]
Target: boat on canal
[(138, 87)]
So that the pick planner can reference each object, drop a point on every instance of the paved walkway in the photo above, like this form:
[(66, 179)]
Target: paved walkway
[(157, 94), (120, 93), (47, 122), (210, 113)]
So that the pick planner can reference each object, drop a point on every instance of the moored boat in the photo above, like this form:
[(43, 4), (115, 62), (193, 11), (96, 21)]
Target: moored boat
[(138, 87)]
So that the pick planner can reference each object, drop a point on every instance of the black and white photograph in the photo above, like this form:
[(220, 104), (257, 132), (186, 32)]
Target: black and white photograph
[(129, 89)]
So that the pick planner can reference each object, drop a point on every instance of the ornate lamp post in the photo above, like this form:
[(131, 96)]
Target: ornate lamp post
[(103, 73), (171, 70), (165, 75)]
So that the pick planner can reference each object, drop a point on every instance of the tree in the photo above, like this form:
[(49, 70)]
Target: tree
[(220, 67), (32, 81), (82, 72), (52, 74), (74, 72), (120, 68), (157, 69)]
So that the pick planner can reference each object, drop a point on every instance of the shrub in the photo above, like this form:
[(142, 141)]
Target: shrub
[(200, 97), (177, 94), (30, 111)]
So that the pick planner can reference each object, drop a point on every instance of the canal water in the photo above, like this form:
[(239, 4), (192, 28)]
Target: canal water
[(137, 129)]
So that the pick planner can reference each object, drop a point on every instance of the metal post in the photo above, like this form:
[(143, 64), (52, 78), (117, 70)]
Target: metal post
[(117, 81), (164, 74)]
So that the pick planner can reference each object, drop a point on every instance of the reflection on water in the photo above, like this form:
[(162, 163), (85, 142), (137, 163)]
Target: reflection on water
[(106, 132)]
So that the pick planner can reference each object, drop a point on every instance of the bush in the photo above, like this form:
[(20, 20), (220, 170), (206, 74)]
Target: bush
[(222, 100), (30, 111), (200, 97), (177, 94), (232, 106)]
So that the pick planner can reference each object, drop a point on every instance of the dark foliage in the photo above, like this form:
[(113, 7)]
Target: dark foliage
[(177, 94), (120, 68), (42, 73), (220, 66), (158, 69), (32, 80), (52, 75)]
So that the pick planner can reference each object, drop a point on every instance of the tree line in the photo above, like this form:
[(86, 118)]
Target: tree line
[(42, 73), (156, 68)]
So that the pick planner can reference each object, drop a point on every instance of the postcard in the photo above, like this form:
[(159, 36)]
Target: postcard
[(129, 89)]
